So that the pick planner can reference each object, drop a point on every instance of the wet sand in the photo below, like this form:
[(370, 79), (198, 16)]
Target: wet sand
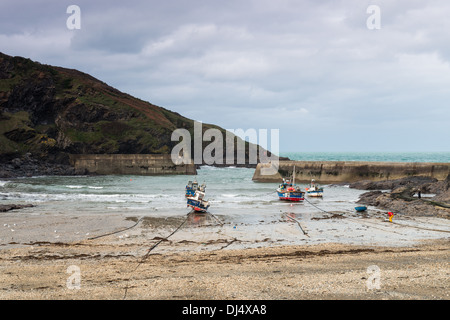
[(327, 271), (205, 259)]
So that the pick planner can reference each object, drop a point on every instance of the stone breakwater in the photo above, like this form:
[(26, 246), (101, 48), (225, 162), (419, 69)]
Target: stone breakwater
[(133, 164), (351, 171)]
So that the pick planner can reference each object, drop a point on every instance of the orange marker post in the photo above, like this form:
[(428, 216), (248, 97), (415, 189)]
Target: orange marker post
[(391, 215)]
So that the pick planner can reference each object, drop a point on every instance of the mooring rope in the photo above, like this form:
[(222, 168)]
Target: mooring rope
[(298, 222), (357, 220), (406, 225), (153, 247), (165, 239), (217, 219), (114, 232), (321, 208)]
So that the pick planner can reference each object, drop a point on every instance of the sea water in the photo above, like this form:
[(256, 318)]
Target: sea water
[(230, 191), (370, 156), (235, 198)]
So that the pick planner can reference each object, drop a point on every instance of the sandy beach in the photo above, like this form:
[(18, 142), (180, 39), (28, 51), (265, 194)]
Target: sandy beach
[(311, 134), (209, 261)]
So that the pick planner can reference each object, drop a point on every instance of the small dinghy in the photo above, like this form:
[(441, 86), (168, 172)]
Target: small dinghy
[(314, 190)]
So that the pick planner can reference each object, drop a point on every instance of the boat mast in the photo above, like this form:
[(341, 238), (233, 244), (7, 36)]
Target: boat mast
[(293, 177)]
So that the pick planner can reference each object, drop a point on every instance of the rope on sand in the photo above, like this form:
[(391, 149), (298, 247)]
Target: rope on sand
[(165, 239), (321, 208), (400, 224), (108, 234), (299, 224), (153, 247), (217, 219), (428, 229), (365, 223)]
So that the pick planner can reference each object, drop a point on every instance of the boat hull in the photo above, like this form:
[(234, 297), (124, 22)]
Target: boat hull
[(291, 196), (315, 193), (197, 205)]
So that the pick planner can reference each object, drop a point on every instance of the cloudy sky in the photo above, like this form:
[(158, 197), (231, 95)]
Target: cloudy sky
[(330, 75)]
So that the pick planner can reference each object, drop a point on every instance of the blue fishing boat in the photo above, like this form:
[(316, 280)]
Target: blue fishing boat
[(191, 187), (197, 202), (361, 208), (314, 190), (289, 191)]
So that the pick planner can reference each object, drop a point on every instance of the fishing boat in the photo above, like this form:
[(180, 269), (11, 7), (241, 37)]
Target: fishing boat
[(314, 190), (197, 202), (191, 187), (289, 191)]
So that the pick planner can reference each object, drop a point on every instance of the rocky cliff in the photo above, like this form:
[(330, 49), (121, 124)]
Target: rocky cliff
[(47, 113)]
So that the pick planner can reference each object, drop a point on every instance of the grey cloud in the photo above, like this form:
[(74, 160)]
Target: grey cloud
[(292, 65)]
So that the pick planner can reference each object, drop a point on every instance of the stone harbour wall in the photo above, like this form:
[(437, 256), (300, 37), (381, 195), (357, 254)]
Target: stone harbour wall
[(130, 164), (351, 171)]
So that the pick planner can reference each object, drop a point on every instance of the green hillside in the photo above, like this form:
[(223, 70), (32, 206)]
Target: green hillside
[(51, 112)]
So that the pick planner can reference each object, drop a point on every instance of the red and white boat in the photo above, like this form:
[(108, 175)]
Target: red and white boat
[(289, 191)]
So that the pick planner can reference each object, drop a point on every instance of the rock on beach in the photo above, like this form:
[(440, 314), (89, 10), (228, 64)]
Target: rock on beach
[(401, 195), (8, 207)]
